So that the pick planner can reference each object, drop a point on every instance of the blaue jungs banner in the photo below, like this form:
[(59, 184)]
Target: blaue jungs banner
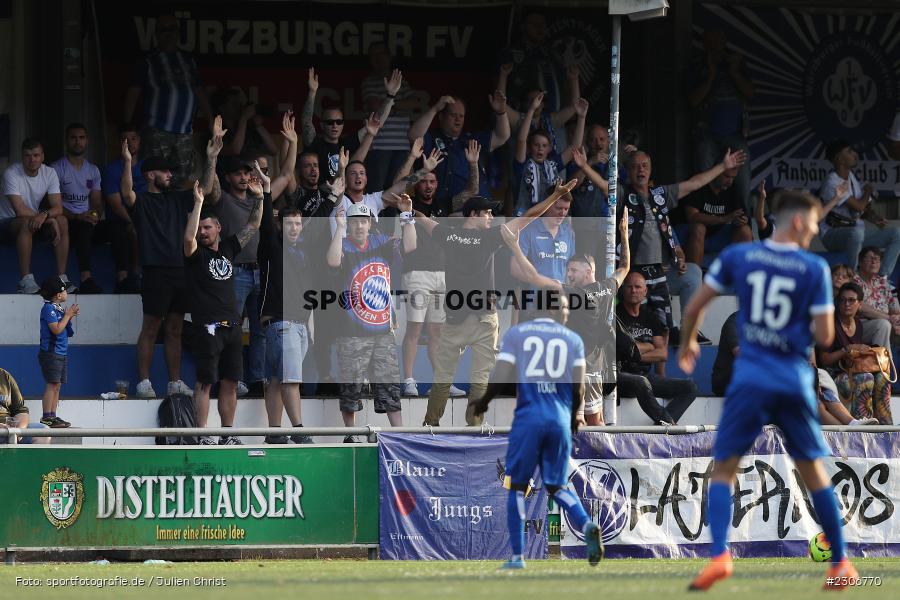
[(442, 497), (648, 493)]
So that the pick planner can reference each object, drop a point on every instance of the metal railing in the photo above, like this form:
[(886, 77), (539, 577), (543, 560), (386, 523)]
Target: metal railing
[(370, 432)]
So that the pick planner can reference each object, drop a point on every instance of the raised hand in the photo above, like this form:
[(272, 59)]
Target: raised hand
[(573, 71), (417, 148), (623, 222), (506, 68), (536, 101), (126, 153), (510, 238), (214, 146), (312, 80), (255, 187), (473, 151), (337, 187), (762, 190), (443, 101), (341, 219), (198, 193), (392, 84), (498, 101), (217, 127), (404, 202), (579, 157), (433, 160), (581, 107), (287, 127), (248, 112), (734, 159), (343, 158), (373, 125), (258, 173)]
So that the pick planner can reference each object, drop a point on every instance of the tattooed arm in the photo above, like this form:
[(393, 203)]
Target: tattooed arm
[(306, 117), (246, 234)]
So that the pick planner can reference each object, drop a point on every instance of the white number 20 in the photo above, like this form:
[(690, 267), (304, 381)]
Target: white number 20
[(554, 359), (771, 303)]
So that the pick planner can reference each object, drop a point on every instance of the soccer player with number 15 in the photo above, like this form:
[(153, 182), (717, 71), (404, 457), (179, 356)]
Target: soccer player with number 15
[(784, 295)]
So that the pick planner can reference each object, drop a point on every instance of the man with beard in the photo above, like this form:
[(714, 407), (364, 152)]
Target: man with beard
[(233, 211), (218, 346), (590, 309), (160, 216), (79, 184)]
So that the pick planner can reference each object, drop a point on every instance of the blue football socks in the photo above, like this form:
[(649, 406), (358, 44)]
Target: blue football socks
[(720, 509), (573, 507), (515, 519), (830, 519)]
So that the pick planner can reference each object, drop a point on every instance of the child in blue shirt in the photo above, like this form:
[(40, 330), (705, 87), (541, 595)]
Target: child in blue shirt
[(56, 329)]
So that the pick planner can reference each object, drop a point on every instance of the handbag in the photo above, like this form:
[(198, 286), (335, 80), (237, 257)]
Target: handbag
[(876, 359)]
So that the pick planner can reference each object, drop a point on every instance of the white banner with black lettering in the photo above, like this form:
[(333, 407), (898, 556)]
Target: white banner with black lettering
[(648, 493)]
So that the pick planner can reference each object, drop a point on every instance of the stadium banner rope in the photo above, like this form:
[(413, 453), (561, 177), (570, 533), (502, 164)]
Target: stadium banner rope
[(444, 497), (179, 496), (648, 493)]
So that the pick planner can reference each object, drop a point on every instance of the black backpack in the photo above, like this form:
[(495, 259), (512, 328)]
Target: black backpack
[(177, 411)]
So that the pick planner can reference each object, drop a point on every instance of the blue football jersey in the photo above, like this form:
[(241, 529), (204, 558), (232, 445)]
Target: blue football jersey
[(544, 354), (780, 288)]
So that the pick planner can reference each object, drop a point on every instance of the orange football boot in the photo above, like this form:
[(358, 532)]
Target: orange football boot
[(840, 576), (719, 567)]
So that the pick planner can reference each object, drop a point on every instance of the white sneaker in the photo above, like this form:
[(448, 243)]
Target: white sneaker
[(409, 387), (242, 389), (27, 285), (145, 389), (179, 387), (455, 392)]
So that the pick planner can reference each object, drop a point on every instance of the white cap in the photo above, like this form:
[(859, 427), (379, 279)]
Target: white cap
[(359, 210)]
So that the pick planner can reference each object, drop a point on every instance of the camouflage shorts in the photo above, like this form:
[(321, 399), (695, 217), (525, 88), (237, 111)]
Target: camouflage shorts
[(374, 358), (177, 148)]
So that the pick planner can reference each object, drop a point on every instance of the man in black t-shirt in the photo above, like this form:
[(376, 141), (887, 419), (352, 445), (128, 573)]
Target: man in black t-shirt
[(218, 347), (590, 313), (159, 216), (716, 217), (635, 379), (470, 305)]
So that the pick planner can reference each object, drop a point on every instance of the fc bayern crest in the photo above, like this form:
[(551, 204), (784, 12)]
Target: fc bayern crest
[(370, 294), (62, 494)]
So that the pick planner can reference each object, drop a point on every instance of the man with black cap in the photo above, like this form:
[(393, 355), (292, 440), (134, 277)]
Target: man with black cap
[(209, 269), (844, 228), (470, 303), (160, 216)]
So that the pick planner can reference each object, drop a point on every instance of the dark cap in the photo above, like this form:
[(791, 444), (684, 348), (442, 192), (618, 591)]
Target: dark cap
[(477, 203), (832, 149), (51, 287), (230, 164), (156, 163)]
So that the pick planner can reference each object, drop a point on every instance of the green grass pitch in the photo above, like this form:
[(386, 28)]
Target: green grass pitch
[(350, 579)]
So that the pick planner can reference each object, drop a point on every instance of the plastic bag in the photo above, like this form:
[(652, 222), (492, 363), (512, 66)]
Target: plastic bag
[(177, 411)]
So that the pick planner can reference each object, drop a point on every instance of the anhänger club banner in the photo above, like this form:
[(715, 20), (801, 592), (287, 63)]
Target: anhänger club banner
[(442, 497), (648, 493)]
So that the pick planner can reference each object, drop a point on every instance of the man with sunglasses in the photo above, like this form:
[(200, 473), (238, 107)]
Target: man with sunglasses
[(329, 140)]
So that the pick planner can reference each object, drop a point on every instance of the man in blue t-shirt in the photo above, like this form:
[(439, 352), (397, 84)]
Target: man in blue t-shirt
[(367, 339), (785, 299), (546, 361)]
